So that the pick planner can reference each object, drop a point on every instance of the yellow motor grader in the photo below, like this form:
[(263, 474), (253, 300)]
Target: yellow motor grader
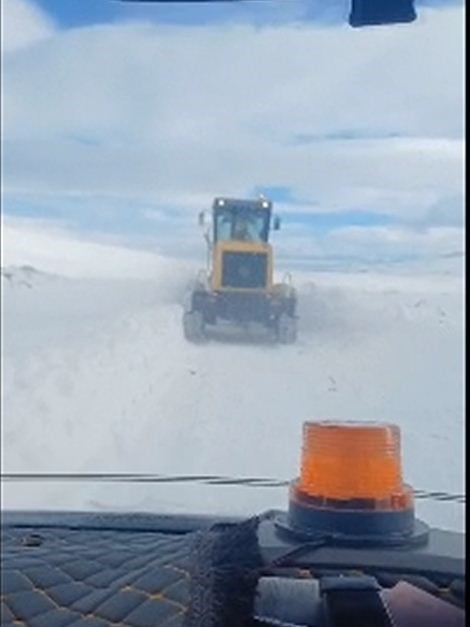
[(238, 285)]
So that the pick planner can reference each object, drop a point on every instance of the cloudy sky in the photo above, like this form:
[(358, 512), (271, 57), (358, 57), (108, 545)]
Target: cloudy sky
[(122, 122)]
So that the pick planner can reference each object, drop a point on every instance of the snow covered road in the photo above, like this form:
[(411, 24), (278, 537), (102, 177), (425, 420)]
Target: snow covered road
[(97, 377)]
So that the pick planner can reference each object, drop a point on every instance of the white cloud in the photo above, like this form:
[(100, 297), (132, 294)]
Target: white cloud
[(172, 116), (23, 25), (376, 244), (435, 240), (148, 83)]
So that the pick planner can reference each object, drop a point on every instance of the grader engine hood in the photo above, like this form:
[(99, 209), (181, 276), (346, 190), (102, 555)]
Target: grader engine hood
[(242, 266)]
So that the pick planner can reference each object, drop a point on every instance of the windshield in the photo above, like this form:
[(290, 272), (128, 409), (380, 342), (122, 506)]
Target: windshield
[(250, 226), (130, 347)]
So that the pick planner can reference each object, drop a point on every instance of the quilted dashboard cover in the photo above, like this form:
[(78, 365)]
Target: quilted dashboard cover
[(60, 577)]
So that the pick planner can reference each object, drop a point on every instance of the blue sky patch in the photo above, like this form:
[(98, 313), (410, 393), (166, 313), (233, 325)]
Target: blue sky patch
[(106, 215), (121, 216), (276, 193), (76, 13), (322, 223), (73, 13)]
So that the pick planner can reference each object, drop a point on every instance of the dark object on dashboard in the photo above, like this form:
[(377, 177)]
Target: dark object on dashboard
[(411, 607)]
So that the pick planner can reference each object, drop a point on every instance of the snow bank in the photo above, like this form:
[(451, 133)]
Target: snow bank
[(98, 377)]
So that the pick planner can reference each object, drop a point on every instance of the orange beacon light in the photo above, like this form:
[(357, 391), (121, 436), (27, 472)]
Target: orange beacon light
[(351, 485)]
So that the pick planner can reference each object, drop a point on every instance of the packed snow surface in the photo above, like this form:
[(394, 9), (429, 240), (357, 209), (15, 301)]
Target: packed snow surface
[(97, 377)]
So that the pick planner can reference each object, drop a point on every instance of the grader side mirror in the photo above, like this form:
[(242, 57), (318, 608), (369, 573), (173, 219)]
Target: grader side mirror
[(276, 223), (202, 219)]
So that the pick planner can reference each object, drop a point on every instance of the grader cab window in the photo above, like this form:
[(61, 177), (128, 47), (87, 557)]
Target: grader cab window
[(249, 226)]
